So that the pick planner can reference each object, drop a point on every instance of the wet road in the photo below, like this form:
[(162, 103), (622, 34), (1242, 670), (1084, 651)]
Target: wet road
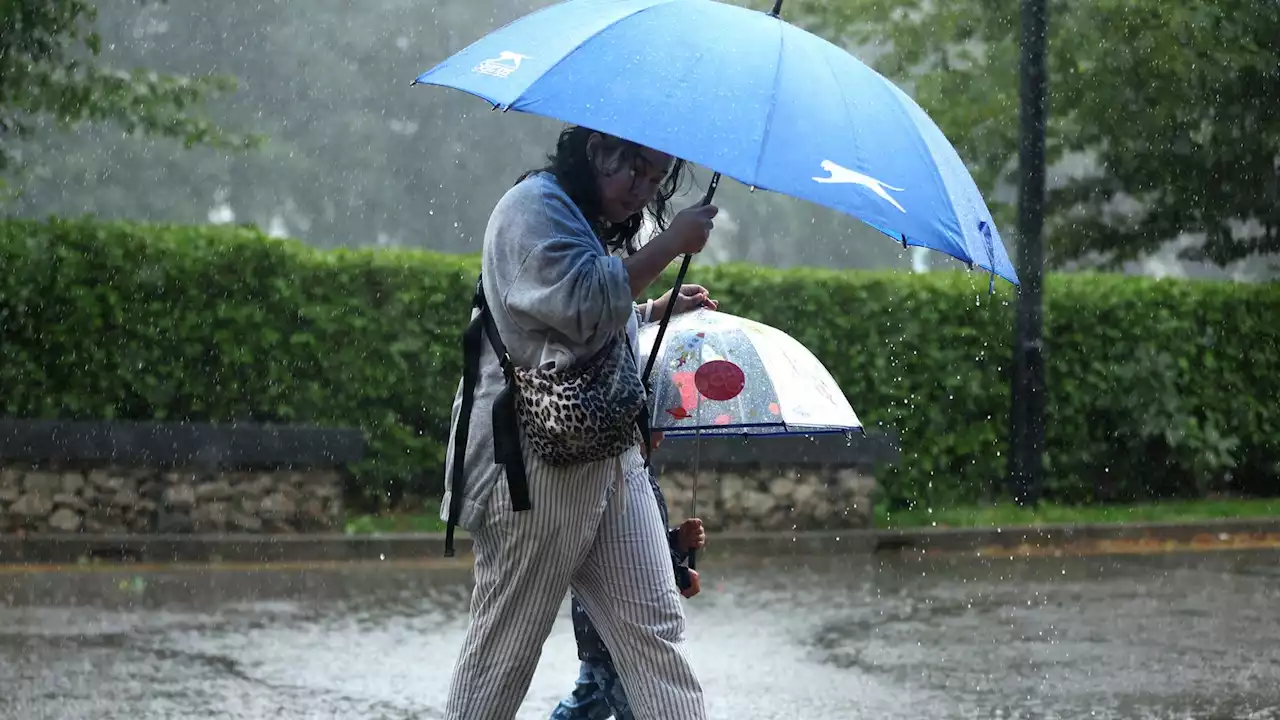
[(1165, 636)]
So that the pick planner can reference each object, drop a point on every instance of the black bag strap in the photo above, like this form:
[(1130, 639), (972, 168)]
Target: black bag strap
[(506, 425), (506, 435), (471, 339), (491, 330)]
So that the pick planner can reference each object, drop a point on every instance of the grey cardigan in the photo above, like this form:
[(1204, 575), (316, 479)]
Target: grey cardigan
[(556, 297)]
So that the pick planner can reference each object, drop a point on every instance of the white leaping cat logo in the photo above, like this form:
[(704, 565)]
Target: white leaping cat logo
[(514, 58), (843, 175)]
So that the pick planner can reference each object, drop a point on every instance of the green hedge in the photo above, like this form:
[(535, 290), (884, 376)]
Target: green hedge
[(141, 322), (1157, 388)]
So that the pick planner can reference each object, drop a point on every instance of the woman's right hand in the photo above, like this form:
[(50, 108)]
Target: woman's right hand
[(686, 235), (691, 227)]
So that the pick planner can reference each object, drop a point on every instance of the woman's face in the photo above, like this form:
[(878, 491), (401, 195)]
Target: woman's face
[(627, 187)]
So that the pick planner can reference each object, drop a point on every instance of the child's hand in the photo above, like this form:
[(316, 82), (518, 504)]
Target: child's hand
[(694, 586), (692, 535), (655, 439)]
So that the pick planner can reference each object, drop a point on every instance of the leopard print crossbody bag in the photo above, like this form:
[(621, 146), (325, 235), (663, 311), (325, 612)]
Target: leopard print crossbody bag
[(586, 413), (589, 413)]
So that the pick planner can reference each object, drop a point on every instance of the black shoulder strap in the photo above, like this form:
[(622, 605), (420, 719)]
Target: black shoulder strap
[(471, 339), (506, 425), (491, 330), (505, 431)]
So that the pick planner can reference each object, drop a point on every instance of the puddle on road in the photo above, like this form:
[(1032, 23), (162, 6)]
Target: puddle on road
[(893, 637)]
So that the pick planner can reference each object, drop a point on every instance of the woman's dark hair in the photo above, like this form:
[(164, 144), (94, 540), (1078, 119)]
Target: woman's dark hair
[(573, 169)]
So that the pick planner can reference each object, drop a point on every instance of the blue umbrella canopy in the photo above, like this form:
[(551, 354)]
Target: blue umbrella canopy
[(748, 95)]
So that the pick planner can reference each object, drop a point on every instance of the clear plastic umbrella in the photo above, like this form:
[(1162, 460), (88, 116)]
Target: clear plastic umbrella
[(722, 375)]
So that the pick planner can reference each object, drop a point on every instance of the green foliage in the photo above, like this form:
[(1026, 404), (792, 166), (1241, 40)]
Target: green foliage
[(1168, 106), (50, 69), (221, 324), (1157, 388)]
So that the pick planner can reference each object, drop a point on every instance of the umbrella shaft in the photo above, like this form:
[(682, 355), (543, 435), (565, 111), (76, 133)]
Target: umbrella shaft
[(693, 502), (697, 463), (675, 291)]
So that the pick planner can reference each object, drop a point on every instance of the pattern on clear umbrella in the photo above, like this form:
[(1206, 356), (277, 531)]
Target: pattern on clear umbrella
[(718, 373)]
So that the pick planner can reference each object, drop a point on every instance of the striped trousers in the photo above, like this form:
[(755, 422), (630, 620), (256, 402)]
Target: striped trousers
[(606, 542)]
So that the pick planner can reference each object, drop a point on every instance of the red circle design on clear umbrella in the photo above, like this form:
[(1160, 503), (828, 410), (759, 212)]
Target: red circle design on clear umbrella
[(719, 380)]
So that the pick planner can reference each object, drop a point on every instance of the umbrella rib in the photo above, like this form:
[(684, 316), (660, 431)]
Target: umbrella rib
[(943, 188), (768, 118)]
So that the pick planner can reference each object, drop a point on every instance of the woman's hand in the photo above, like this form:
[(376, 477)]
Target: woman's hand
[(690, 228), (691, 297), (687, 234), (692, 535)]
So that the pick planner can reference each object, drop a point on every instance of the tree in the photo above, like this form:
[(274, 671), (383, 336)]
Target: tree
[(1163, 114), (50, 74)]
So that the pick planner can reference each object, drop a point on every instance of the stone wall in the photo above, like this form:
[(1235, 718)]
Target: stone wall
[(116, 500), (781, 483), (118, 477), (773, 499)]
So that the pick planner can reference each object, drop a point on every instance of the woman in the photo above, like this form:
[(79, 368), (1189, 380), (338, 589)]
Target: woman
[(561, 270)]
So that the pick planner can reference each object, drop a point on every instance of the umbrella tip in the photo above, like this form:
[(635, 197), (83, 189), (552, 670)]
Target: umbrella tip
[(777, 8)]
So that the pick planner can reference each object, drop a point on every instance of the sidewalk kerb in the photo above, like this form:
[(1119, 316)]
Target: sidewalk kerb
[(54, 549)]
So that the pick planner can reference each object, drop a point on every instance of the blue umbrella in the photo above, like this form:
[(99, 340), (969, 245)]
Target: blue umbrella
[(749, 96)]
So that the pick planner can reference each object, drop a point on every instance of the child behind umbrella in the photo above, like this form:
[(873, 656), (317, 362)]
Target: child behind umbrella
[(598, 692)]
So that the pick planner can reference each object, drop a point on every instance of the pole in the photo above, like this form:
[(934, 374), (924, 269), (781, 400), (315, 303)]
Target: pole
[(1027, 433)]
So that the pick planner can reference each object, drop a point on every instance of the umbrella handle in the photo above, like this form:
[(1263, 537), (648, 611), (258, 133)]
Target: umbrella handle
[(675, 291), (711, 189)]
